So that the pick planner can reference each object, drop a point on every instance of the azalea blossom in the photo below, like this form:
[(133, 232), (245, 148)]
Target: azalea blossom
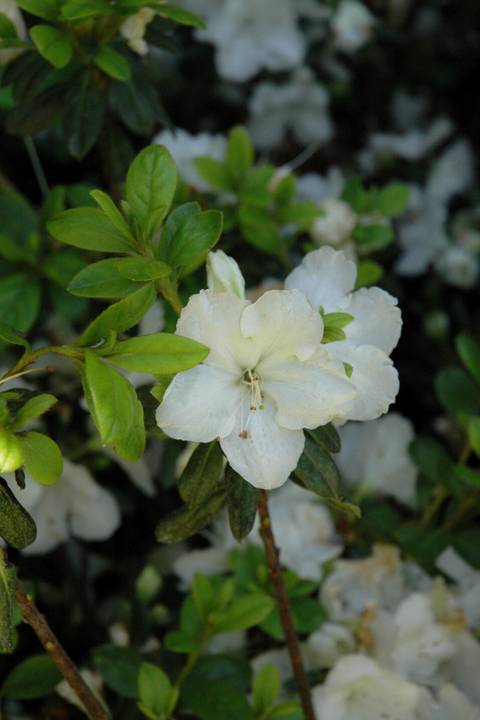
[(185, 147), (133, 30), (352, 26), (328, 278), (265, 379)]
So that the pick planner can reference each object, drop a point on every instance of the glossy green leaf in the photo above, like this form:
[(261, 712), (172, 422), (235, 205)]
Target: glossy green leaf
[(228, 668), (302, 214), (377, 236), (132, 446), (137, 103), (38, 112), (7, 28), (433, 461), (458, 394), (120, 316), (151, 182), (154, 689), (179, 15), (113, 63), (195, 236), (52, 44), (214, 172), (240, 153), (79, 9), (392, 200), (266, 686), (260, 229), (246, 612), (199, 480), (185, 522), (172, 224), (33, 678), (33, 408), (327, 437), (17, 527), (159, 353), (46, 9), (473, 431), (215, 700), (143, 269), (354, 194), (343, 507), (317, 471), (203, 593), (119, 667), (469, 351), (102, 280), (11, 452), (109, 207), (368, 273), (20, 300), (7, 603), (61, 266), (10, 335), (82, 118), (242, 502), (467, 475), (90, 229), (42, 457)]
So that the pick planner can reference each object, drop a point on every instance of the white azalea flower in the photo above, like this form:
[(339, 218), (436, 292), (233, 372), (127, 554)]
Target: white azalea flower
[(133, 30), (10, 9), (374, 456), (328, 279), (359, 689), (264, 380), (458, 266), (224, 275), (336, 225), (184, 148), (330, 643), (317, 188), (250, 35), (299, 105), (414, 144), (352, 26), (75, 505), (454, 705), (467, 591)]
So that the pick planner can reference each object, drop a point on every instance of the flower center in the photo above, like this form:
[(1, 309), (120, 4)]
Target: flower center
[(252, 380)]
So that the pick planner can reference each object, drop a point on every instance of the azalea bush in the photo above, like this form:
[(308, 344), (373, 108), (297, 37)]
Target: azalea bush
[(240, 361)]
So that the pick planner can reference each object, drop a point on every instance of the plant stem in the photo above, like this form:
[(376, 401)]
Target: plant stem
[(33, 617), (284, 607), (465, 505)]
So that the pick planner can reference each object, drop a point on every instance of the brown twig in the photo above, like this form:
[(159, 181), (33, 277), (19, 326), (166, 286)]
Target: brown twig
[(33, 617), (284, 607)]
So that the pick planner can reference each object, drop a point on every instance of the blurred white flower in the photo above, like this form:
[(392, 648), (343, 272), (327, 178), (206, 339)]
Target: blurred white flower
[(467, 590), (330, 643), (133, 30), (352, 26), (336, 225), (250, 35), (75, 505), (94, 681), (317, 189), (10, 9), (454, 705), (184, 148), (265, 379), (414, 144), (299, 105), (328, 278), (453, 173), (374, 456), (458, 266)]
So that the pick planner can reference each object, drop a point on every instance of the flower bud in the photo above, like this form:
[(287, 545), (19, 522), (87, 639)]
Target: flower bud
[(223, 274)]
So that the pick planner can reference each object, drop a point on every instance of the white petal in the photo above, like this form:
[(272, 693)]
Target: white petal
[(214, 320), (269, 453), (374, 377), (326, 276), (94, 518), (310, 393), (200, 404), (377, 319), (281, 324), (50, 517)]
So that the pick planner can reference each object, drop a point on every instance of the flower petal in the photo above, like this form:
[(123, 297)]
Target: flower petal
[(269, 453), (309, 393), (377, 319), (281, 324), (374, 377), (200, 404), (326, 276)]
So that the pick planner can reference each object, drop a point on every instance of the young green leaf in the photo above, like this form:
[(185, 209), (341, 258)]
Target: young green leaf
[(242, 499), (33, 408), (11, 453), (109, 207), (90, 229), (10, 335), (172, 224), (266, 686), (151, 182), (215, 700), (154, 689), (142, 269), (473, 431), (377, 236), (52, 44), (79, 9), (246, 612), (113, 63), (159, 353), (199, 480), (46, 9), (132, 446), (17, 527), (179, 15), (240, 153), (102, 280), (214, 172), (7, 603), (120, 316), (20, 295), (260, 229), (469, 351), (195, 236), (119, 667), (393, 199), (203, 593), (368, 273), (42, 457)]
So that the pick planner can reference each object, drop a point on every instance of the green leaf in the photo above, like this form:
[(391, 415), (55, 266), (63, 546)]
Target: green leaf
[(7, 603), (102, 280), (109, 207), (242, 499), (240, 153), (195, 236), (151, 182), (179, 15), (42, 457), (307, 614), (142, 269), (38, 112), (33, 408), (332, 334), (136, 102), (199, 480), (11, 452), (215, 700), (377, 236), (46, 9), (214, 172), (393, 199), (327, 437), (111, 398), (457, 392), (246, 612), (203, 593), (7, 28), (469, 351), (154, 689), (302, 214), (61, 266), (290, 710), (254, 190), (10, 335), (266, 687), (83, 116), (433, 461), (113, 63), (132, 446), (227, 668), (317, 471), (120, 316), (17, 527), (185, 522), (172, 225), (52, 44), (153, 223), (20, 300), (467, 475), (354, 194), (260, 229), (368, 273), (159, 353), (79, 9), (33, 678), (466, 543), (90, 229), (343, 507), (473, 431), (120, 668)]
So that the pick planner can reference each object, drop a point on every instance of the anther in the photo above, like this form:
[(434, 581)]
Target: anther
[(243, 434), (252, 407)]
